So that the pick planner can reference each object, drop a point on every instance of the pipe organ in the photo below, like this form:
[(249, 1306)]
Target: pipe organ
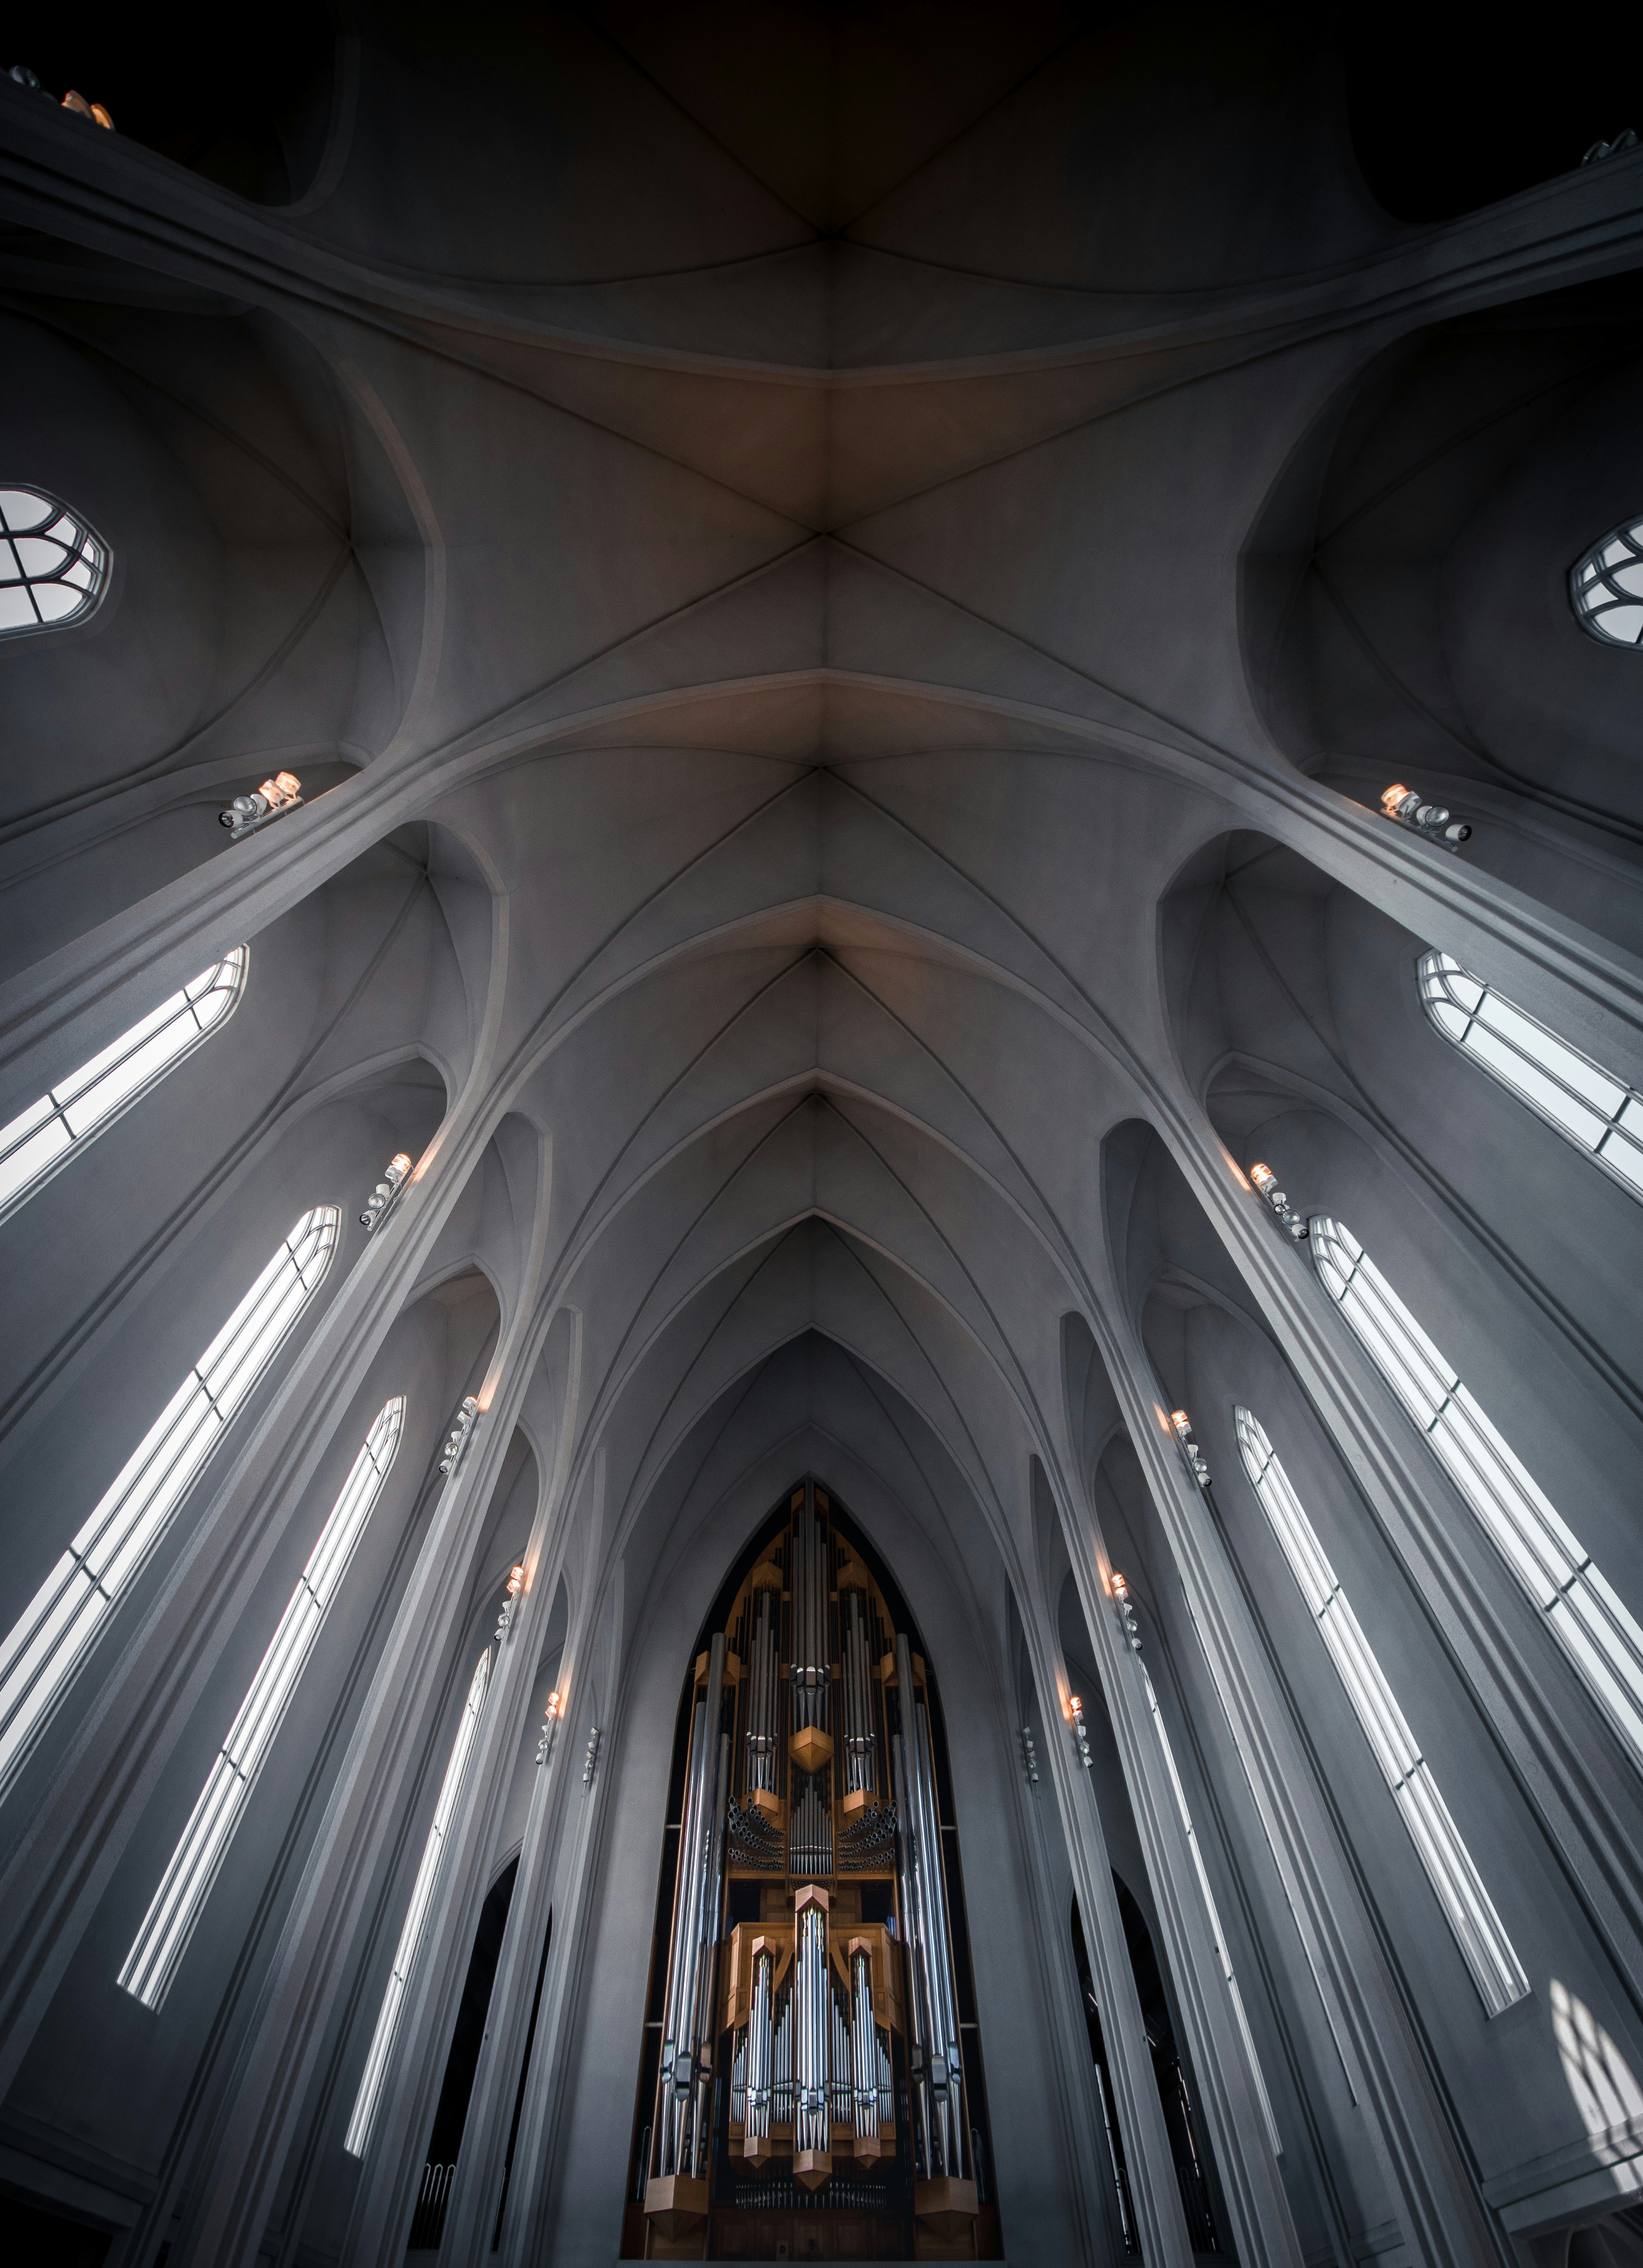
[(806, 2053)]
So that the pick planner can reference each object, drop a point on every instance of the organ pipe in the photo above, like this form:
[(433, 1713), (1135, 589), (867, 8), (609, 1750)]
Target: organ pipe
[(860, 1772), (760, 2049), (684, 2080), (864, 2053), (812, 2001), (777, 2029), (938, 2065), (763, 1673)]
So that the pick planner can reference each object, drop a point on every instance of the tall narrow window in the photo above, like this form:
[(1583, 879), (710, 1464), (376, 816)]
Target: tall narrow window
[(376, 2069), (1210, 1908), (43, 1138), (1597, 1112), (162, 1938), (1586, 1615), (52, 569), (1467, 1906), (44, 1647)]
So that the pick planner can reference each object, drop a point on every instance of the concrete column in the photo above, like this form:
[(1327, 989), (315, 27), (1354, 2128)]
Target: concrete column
[(1263, 2230), (1442, 2219)]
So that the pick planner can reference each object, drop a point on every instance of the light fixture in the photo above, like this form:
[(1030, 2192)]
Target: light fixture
[(1266, 1182), (385, 1192), (1075, 1710), (592, 1757), (544, 1738), (515, 1585), (1189, 1448), (467, 1416), (279, 794), (1432, 820), (1127, 1612), (98, 116), (1029, 1756)]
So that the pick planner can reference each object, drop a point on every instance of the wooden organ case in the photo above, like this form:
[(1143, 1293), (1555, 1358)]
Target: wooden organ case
[(811, 2088)]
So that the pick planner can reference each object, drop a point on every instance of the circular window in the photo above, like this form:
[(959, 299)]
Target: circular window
[(1606, 588), (52, 569)]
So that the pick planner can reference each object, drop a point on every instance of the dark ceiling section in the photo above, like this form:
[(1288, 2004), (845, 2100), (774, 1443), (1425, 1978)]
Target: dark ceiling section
[(1455, 107), (240, 95)]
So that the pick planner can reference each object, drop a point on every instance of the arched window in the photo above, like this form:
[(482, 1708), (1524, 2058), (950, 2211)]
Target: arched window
[(56, 1629), (1606, 587), (376, 2069), (52, 569), (1586, 1615), (42, 1139), (1467, 1907), (162, 1938), (1211, 1909), (1600, 1114)]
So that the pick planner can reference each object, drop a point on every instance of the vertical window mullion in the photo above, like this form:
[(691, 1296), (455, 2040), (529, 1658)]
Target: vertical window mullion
[(177, 1904), (1476, 1926), (44, 1647)]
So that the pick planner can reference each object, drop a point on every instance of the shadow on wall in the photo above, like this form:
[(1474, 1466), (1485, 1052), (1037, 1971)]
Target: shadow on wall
[(1404, 595)]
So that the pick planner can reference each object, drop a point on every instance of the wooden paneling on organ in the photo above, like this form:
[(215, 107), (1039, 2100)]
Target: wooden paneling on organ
[(809, 2088)]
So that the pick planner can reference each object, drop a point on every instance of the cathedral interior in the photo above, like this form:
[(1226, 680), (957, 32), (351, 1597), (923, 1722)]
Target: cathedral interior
[(820, 1135)]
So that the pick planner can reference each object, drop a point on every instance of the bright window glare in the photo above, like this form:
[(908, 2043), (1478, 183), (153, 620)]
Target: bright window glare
[(60, 1622), (410, 1936), (1599, 1113), (1467, 1907), (162, 1938), (42, 1137), (1235, 1996), (1586, 1615)]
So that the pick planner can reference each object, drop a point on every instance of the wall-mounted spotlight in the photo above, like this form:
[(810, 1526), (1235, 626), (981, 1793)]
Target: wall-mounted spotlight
[(1029, 1756), (467, 1416), (1075, 1711), (1126, 1612), (1266, 1182), (544, 1738), (98, 116), (387, 1190), (1189, 1448), (592, 1757), (276, 796), (1432, 820), (516, 1584)]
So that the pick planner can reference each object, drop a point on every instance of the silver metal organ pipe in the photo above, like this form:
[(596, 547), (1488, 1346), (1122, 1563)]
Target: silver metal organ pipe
[(860, 1763), (681, 2081), (811, 1998), (761, 2042), (921, 1841), (810, 1605), (917, 2010), (701, 2025), (840, 2089), (956, 2140), (762, 1691), (865, 2049)]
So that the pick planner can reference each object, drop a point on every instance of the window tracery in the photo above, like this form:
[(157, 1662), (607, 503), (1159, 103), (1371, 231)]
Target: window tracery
[(41, 1139), (1467, 1907), (177, 1904), (61, 1623), (1606, 587), (1586, 1614), (1587, 1104), (53, 567)]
